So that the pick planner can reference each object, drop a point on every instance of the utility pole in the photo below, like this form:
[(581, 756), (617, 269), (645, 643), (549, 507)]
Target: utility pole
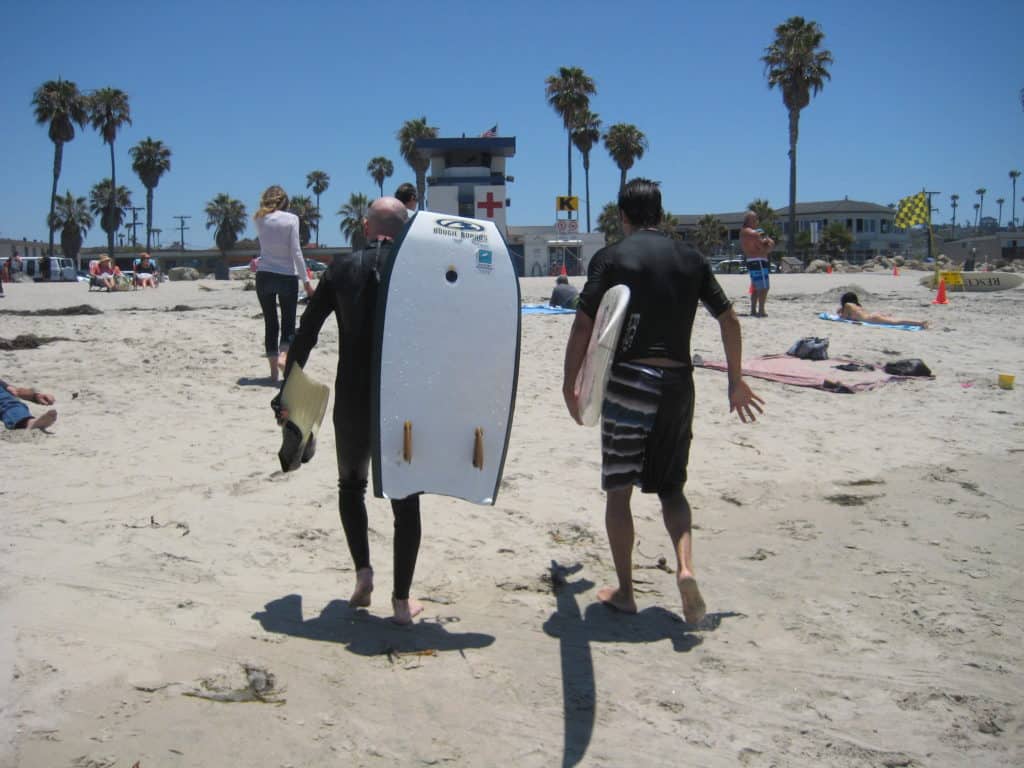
[(930, 209), (182, 227), (135, 223), (157, 232)]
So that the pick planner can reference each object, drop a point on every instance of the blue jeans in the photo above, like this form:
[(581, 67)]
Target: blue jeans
[(270, 289), (12, 410)]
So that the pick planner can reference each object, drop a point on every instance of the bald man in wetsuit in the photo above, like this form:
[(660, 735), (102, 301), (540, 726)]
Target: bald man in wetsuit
[(349, 289), (647, 412)]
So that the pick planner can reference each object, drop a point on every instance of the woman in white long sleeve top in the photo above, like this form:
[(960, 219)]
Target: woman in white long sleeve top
[(281, 266)]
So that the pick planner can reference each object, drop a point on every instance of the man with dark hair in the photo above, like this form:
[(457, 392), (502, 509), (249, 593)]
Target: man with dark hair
[(349, 289), (563, 295), (647, 413), (407, 194)]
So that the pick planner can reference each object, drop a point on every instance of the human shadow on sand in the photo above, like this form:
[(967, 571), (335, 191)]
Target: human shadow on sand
[(600, 624), (362, 633)]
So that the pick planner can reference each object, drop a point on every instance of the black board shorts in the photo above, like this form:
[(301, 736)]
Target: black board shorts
[(646, 427)]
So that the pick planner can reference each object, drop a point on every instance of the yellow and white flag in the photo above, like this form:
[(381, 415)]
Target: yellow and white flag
[(913, 210)]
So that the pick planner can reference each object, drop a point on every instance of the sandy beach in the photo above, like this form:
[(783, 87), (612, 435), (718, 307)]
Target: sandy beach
[(169, 598)]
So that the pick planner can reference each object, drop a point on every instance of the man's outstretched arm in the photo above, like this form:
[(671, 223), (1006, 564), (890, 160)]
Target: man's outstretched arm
[(741, 398)]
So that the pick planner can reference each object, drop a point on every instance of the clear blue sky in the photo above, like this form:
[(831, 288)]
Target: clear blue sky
[(923, 94)]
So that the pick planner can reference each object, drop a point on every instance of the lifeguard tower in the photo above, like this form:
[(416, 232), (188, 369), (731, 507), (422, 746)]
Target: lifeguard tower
[(467, 176)]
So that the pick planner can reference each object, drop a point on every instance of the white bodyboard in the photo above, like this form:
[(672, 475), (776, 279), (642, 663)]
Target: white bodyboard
[(446, 361), (597, 364)]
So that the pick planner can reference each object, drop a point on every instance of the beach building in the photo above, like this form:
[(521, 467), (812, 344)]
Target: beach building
[(468, 177), (26, 247), (871, 225)]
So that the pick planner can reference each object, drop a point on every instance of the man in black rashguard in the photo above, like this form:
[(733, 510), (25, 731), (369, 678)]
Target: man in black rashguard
[(349, 289), (647, 412)]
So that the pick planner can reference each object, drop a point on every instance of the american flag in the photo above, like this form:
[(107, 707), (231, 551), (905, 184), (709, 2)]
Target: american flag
[(490, 133)]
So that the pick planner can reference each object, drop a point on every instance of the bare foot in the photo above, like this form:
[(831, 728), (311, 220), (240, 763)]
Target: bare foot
[(405, 610), (44, 421), (693, 604), (364, 587), (610, 596)]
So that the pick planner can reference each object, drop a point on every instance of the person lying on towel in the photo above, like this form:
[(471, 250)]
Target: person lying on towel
[(850, 309)]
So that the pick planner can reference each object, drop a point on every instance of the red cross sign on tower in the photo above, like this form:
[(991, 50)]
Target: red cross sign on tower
[(490, 204)]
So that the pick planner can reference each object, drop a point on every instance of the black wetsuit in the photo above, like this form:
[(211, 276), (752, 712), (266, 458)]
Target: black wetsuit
[(349, 289), (647, 414)]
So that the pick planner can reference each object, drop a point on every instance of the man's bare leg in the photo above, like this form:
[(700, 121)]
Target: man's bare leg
[(364, 587), (42, 422), (274, 374), (762, 296), (618, 520), (405, 610), (675, 510)]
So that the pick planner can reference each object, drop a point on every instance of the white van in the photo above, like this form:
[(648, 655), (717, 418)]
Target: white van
[(61, 269)]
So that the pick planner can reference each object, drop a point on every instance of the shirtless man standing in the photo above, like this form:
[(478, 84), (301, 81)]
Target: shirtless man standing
[(756, 246)]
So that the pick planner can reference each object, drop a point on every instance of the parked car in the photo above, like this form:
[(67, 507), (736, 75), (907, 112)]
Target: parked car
[(317, 267), (62, 269), (731, 267)]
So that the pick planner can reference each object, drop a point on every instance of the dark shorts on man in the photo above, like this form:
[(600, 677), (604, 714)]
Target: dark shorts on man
[(647, 428)]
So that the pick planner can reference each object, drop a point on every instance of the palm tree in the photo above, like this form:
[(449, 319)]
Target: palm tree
[(108, 111), (796, 65), (980, 192), (318, 182), (226, 216), (71, 215), (625, 143), (765, 217), (836, 239), (407, 135), (999, 202), (977, 214), (352, 215), (585, 134), (309, 217), (710, 234), (380, 168), (1013, 199), (953, 201), (569, 95), (804, 243), (669, 225), (150, 160), (610, 224), (109, 206), (59, 104)]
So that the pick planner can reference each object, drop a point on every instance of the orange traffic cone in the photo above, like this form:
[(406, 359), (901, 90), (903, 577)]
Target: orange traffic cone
[(940, 297), (828, 270), (895, 271), (750, 290), (563, 273)]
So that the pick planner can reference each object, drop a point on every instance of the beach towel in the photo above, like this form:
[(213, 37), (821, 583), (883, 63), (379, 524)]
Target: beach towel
[(832, 375), (544, 309), (838, 319)]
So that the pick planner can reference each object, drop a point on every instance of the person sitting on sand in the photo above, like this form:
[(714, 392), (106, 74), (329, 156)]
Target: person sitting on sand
[(16, 415), (563, 295), (107, 272), (146, 272), (850, 309)]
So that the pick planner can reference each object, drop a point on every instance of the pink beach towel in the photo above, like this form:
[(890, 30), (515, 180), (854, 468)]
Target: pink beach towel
[(820, 374)]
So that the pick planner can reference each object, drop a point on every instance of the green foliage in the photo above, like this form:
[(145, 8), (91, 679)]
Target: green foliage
[(380, 168), (407, 135), (626, 144), (610, 224), (226, 216), (352, 215), (836, 239), (568, 93), (710, 234), (109, 206), (71, 216), (309, 216)]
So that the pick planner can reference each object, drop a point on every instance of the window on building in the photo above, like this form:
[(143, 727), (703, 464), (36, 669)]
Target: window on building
[(872, 225), (885, 226), (860, 225), (849, 224)]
